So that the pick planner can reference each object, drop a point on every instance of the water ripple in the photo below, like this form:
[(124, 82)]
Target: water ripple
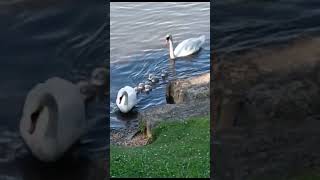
[(138, 47)]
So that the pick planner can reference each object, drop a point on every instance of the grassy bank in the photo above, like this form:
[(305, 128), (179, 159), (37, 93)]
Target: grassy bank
[(179, 150)]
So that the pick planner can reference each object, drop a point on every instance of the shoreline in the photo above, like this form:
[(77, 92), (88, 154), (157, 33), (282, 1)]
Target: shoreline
[(187, 98)]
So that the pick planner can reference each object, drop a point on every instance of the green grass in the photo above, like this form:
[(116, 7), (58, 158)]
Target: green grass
[(179, 150)]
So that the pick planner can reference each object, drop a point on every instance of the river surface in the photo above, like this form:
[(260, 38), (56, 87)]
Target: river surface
[(138, 48)]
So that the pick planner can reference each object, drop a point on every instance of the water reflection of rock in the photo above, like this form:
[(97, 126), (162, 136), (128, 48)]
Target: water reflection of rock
[(172, 67), (267, 109)]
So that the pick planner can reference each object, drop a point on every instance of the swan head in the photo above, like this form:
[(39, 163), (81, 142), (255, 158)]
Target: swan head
[(123, 98), (168, 38)]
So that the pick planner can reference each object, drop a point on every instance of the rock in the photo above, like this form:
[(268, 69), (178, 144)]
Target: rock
[(184, 90)]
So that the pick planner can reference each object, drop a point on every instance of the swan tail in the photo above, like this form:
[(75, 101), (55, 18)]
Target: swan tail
[(202, 39)]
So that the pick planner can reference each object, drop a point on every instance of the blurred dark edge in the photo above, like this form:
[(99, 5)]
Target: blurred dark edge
[(245, 147), (212, 78), (108, 103), (68, 167)]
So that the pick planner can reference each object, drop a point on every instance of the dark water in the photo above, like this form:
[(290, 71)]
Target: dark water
[(137, 48), (40, 40), (240, 25)]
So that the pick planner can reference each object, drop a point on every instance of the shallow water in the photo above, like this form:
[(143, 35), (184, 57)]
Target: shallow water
[(137, 48)]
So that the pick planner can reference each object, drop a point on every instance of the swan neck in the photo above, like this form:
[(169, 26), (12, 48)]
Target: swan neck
[(171, 49), (49, 102), (125, 94)]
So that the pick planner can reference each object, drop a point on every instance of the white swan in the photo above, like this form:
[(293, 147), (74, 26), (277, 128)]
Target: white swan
[(126, 99), (53, 118), (186, 47)]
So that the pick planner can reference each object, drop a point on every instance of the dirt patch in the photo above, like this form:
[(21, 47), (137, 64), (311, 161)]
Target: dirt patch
[(127, 137), (138, 140)]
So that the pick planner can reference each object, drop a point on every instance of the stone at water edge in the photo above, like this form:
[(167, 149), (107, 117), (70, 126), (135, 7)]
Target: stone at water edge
[(183, 90)]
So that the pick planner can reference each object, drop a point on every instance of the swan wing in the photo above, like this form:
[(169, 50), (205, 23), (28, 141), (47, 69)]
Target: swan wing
[(189, 46)]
